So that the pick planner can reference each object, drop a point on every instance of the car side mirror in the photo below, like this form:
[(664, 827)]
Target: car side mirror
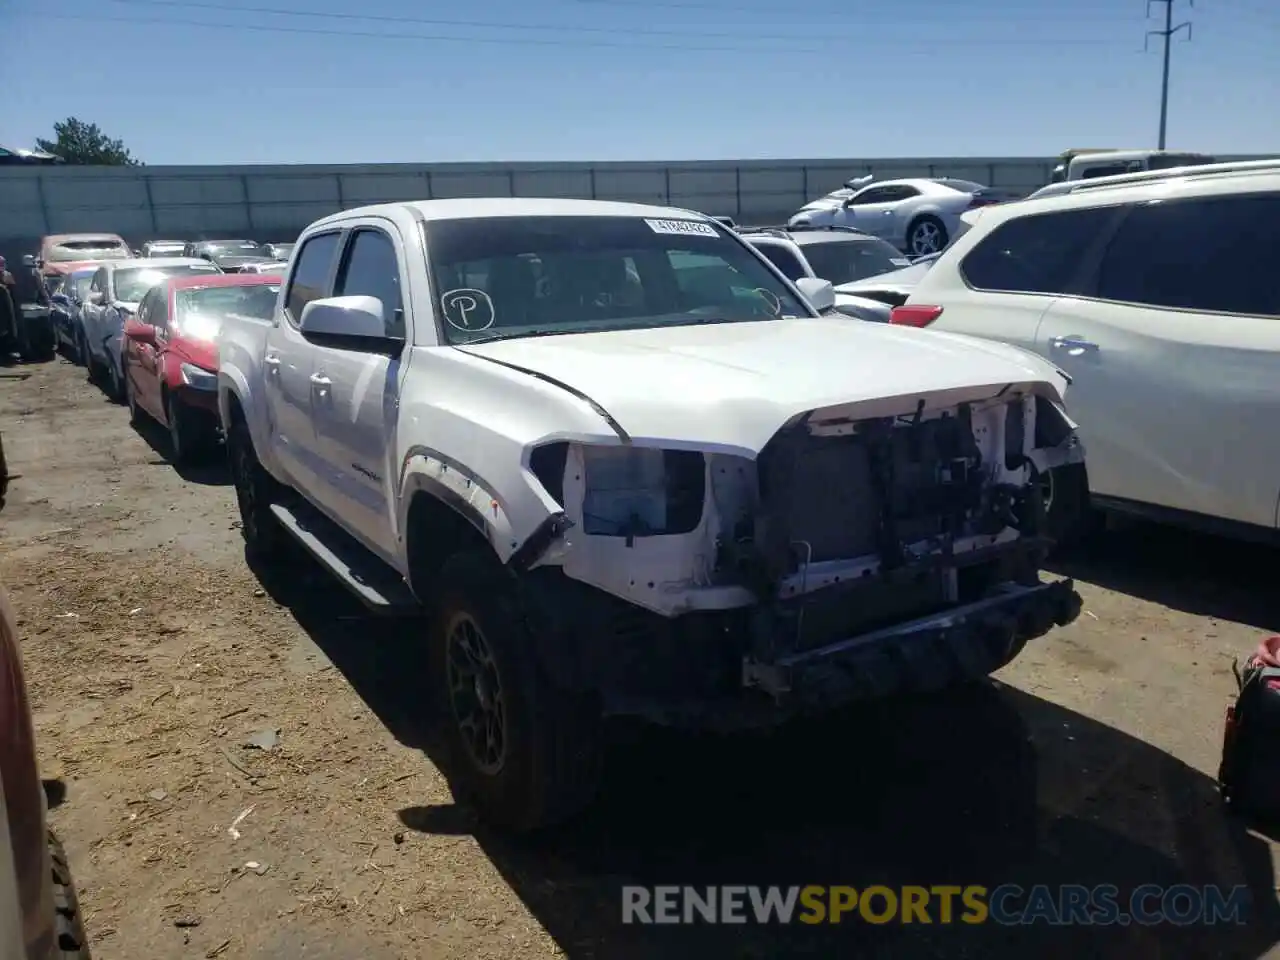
[(348, 323), (139, 332), (821, 294), (30, 260), (61, 299), (95, 297)]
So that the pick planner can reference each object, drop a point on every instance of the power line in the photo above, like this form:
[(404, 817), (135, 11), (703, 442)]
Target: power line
[(1167, 34), (431, 22), (857, 19), (421, 37), (926, 45), (572, 28)]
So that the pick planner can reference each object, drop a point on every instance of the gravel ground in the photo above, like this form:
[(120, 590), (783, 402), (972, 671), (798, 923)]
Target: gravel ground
[(155, 655)]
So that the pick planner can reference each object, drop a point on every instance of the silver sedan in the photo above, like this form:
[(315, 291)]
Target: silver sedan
[(918, 216)]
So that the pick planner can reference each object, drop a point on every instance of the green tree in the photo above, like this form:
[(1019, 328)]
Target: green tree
[(83, 143)]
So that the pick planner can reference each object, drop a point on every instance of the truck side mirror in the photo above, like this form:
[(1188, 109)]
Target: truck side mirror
[(820, 293)]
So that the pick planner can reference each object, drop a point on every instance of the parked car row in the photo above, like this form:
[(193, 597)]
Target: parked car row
[(146, 331), (70, 301), (638, 461)]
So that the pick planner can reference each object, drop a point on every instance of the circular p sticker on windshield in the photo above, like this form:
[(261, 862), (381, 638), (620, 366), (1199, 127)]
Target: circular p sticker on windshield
[(468, 309), (770, 298)]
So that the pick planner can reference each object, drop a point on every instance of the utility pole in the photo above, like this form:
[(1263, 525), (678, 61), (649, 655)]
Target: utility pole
[(1167, 34)]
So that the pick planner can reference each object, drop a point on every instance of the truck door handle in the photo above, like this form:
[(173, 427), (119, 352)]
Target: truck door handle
[(272, 363), (1074, 343), (320, 384)]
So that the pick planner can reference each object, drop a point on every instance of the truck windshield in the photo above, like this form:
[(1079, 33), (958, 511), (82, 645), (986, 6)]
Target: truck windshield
[(498, 277)]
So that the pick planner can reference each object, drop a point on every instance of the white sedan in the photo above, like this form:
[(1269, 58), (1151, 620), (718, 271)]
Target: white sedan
[(920, 216), (114, 294)]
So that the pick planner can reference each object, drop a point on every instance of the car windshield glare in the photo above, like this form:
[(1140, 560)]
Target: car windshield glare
[(844, 261), (132, 285), (200, 311), (501, 277)]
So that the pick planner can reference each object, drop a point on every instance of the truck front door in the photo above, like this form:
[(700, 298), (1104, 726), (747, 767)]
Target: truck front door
[(356, 400), (288, 365)]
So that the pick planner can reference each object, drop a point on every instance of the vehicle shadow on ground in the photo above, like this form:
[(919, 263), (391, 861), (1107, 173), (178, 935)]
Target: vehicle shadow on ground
[(211, 471), (985, 785), (373, 653), (1183, 570)]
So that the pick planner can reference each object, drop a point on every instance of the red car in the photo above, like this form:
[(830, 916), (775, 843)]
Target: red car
[(171, 352)]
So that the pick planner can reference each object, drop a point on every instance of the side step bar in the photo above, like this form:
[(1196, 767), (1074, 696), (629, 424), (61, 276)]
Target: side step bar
[(375, 584)]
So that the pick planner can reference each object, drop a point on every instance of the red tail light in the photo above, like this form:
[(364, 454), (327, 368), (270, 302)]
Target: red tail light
[(914, 315)]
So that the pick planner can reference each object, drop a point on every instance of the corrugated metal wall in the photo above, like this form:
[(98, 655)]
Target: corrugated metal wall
[(275, 202)]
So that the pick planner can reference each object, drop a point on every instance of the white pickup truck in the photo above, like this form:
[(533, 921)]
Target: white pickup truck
[(627, 467)]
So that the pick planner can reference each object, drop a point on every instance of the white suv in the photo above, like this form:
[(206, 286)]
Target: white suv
[(1158, 293)]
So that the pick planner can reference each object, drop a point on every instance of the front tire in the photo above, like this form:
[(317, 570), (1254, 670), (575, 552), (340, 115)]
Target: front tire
[(526, 754), (926, 235), (189, 438), (256, 490), (1068, 518)]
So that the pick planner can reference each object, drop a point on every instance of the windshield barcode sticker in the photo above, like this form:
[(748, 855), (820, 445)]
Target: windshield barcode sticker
[(682, 228)]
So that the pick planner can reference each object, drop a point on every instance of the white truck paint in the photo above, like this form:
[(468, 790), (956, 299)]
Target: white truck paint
[(366, 430)]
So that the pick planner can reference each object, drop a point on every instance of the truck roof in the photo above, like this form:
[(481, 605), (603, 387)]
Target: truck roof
[(484, 207)]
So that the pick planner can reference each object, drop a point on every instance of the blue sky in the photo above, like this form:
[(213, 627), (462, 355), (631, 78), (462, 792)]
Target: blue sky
[(633, 79)]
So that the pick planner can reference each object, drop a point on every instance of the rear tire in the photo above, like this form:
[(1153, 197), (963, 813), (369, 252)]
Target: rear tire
[(256, 491), (926, 235), (72, 942), (546, 758)]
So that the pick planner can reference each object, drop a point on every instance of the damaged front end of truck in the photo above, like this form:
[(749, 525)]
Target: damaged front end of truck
[(869, 549)]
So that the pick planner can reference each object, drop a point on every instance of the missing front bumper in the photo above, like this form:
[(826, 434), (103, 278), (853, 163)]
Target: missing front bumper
[(925, 654)]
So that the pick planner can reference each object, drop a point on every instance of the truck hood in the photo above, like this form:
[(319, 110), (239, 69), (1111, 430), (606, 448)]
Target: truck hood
[(732, 386)]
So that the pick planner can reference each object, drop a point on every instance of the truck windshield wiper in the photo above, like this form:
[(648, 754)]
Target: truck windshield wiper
[(518, 335)]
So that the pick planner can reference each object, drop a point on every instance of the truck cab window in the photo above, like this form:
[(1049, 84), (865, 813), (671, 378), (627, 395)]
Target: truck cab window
[(370, 269)]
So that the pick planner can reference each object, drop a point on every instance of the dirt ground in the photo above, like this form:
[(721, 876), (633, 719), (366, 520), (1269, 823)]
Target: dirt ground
[(155, 655)]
